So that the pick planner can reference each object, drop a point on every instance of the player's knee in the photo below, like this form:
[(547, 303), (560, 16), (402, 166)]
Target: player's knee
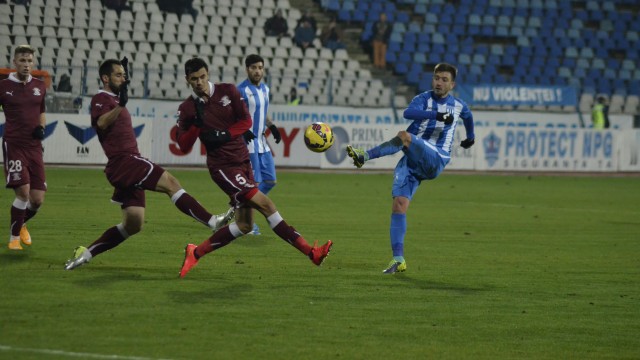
[(173, 183), (266, 186), (133, 228), (405, 137), (244, 227)]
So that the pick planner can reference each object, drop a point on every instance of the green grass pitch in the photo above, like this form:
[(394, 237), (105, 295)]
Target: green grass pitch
[(499, 267)]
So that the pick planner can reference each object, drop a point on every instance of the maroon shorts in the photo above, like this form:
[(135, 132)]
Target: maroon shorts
[(131, 175), (236, 181), (23, 166)]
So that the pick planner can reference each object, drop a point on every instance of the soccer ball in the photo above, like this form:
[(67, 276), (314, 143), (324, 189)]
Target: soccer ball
[(318, 137)]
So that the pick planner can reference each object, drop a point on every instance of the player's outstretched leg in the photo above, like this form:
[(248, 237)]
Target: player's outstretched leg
[(219, 239), (359, 156), (111, 238)]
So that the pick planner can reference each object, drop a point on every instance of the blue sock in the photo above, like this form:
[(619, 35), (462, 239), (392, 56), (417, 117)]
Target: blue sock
[(386, 148), (266, 186), (397, 230)]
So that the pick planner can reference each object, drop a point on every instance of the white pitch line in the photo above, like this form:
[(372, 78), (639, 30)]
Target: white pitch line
[(73, 354)]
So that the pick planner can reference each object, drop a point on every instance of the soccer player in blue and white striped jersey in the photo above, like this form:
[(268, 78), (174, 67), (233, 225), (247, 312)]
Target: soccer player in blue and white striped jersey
[(427, 147), (255, 94)]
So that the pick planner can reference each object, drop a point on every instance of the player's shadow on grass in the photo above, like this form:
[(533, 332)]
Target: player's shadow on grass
[(435, 285), (255, 241), (14, 257), (105, 276), (211, 294)]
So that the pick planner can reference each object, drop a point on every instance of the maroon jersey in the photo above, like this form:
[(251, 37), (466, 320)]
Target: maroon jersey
[(225, 110), (22, 103), (118, 138)]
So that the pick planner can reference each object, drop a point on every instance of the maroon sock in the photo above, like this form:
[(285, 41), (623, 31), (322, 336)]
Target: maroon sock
[(109, 239), (290, 235), (188, 205), (17, 220), (219, 239), (29, 214)]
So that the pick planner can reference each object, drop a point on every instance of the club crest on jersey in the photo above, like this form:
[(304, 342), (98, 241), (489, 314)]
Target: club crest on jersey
[(225, 101), (36, 92)]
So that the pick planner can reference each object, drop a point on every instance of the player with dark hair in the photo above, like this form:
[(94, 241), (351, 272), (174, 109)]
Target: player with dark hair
[(217, 115), (22, 99), (255, 95), (128, 172), (427, 147)]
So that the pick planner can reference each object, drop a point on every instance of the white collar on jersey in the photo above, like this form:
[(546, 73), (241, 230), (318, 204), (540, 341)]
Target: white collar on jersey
[(211, 90), (105, 91), (14, 77)]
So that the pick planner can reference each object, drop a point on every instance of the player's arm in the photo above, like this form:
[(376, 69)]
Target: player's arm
[(415, 112), (38, 132), (105, 120), (187, 133), (467, 120), (274, 130), (217, 137)]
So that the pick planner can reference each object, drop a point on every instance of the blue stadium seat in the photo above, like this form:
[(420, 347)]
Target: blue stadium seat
[(358, 16), (420, 9), (464, 59), (433, 58), (423, 47), (508, 61), (437, 49), (569, 62), (404, 57), (396, 37), (402, 16), (333, 5), (390, 57), (401, 68), (394, 46), (344, 15), (414, 27), (502, 31), (523, 61)]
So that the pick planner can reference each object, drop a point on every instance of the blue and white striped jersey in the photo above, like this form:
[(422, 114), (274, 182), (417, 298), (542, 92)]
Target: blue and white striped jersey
[(436, 132), (257, 100)]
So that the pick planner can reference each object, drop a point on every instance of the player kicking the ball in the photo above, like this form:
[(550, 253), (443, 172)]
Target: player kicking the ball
[(217, 115), (426, 145), (128, 172)]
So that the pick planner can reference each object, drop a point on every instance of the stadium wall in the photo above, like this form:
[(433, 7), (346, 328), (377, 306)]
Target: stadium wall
[(505, 141)]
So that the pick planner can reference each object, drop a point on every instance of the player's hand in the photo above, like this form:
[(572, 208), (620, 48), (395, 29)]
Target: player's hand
[(199, 119), (445, 117), (123, 95), (215, 138), (248, 136), (467, 143), (38, 132), (276, 133), (125, 65)]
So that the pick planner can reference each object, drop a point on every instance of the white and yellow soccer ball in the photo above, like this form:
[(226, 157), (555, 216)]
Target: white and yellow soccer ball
[(318, 137)]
